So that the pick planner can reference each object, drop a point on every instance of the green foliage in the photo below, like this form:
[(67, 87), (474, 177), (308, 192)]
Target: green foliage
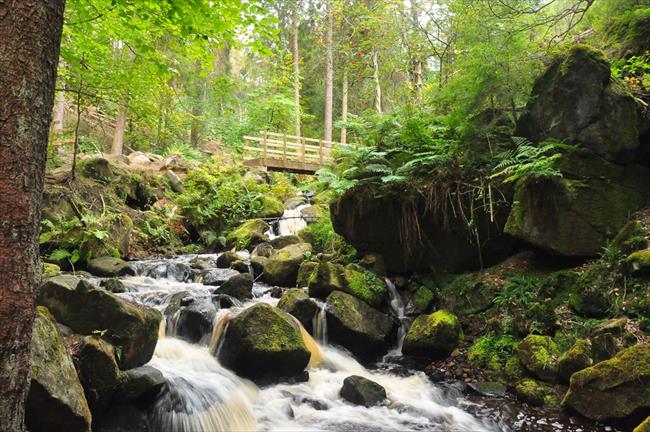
[(323, 239), (518, 291), (492, 352), (529, 161), (186, 151)]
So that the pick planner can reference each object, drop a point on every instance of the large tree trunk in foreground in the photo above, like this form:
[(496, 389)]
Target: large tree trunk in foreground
[(30, 34), (120, 126), (296, 65), (329, 73)]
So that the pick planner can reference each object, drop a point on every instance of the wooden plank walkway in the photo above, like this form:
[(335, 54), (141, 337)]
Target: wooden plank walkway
[(281, 152)]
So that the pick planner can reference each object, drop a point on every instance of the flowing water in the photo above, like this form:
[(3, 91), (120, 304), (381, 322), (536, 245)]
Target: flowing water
[(204, 396), (398, 308)]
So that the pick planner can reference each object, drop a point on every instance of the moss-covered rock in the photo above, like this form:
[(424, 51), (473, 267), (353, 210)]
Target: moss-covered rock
[(226, 259), (115, 243), (264, 341), (358, 327), (141, 385), (304, 272), (284, 241), (631, 238), (571, 216), (364, 285), (56, 399), (539, 355), (513, 370), (491, 353), (536, 393), (325, 278), (468, 294), (577, 358), (239, 286), (281, 268), (271, 207), (50, 270), (435, 335), (577, 101), (131, 328), (591, 296), (110, 267), (621, 384), (248, 235), (638, 262), (644, 426), (296, 302), (420, 301)]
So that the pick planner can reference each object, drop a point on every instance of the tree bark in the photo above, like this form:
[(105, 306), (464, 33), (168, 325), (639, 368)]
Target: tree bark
[(375, 76), (344, 106), (296, 65), (329, 73), (418, 82), (30, 32), (120, 126)]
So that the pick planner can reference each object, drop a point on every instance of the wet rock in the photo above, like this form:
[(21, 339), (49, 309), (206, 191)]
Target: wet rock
[(354, 280), (248, 235), (532, 392), (125, 418), (177, 271), (203, 264), (113, 285), (304, 272), (110, 267), (195, 320), (97, 369), (488, 388), (353, 324), (226, 259), (325, 277), (141, 385), (604, 347), (223, 301), (539, 355), (577, 101), (577, 358), (56, 399), (240, 266), (282, 266), (217, 277), (264, 341), (239, 286), (284, 241), (297, 303), (362, 391), (311, 214), (86, 309), (613, 388), (435, 335), (295, 202)]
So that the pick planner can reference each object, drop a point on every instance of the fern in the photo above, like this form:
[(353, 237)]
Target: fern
[(528, 160)]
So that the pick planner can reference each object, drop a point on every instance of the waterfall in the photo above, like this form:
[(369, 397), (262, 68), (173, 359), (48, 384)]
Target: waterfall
[(397, 306), (291, 223), (319, 323)]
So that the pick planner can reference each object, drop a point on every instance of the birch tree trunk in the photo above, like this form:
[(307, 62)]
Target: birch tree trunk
[(296, 65), (59, 114), (30, 32), (375, 76), (329, 74), (120, 126), (418, 67), (344, 106)]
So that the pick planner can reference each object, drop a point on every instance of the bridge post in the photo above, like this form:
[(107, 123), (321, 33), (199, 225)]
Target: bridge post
[(284, 149), (304, 149), (265, 146), (320, 151)]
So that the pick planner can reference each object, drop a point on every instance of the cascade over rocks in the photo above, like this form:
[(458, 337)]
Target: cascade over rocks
[(264, 342), (56, 399), (373, 222), (239, 286), (577, 101), (195, 319), (362, 391), (85, 309), (621, 384), (353, 324), (435, 335)]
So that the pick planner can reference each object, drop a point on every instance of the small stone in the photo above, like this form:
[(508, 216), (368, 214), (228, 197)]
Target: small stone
[(362, 391)]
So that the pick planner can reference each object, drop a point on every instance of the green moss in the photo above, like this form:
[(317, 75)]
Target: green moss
[(575, 359), (644, 426), (581, 54), (50, 270), (422, 299), (434, 335), (270, 207), (513, 370), (248, 234), (539, 355), (491, 352), (638, 262), (531, 392), (364, 285)]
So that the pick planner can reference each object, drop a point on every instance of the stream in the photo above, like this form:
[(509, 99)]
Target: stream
[(205, 396)]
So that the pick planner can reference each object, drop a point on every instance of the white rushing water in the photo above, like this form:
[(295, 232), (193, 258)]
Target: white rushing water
[(204, 396), (291, 223)]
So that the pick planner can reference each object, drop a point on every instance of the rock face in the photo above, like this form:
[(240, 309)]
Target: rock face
[(282, 266), (110, 267), (356, 326), (248, 235), (575, 359), (56, 398), (621, 384), (262, 342), (575, 215), (195, 319), (297, 303), (372, 223), (86, 309), (140, 385), (577, 101), (354, 280), (362, 391), (539, 355), (435, 335), (239, 286), (97, 370)]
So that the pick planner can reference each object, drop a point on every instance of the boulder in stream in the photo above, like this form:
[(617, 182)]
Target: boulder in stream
[(195, 320), (296, 302), (433, 336), (131, 328), (539, 355), (362, 391), (226, 259), (248, 235), (141, 384), (56, 399), (351, 323), (263, 342), (282, 266), (110, 267), (239, 286)]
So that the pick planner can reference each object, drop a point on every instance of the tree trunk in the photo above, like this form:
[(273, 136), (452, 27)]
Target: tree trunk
[(375, 76), (418, 82), (296, 65), (344, 106), (329, 73), (59, 113), (120, 126), (30, 32)]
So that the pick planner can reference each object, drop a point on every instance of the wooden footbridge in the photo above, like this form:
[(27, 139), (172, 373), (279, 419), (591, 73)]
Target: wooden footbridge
[(281, 152)]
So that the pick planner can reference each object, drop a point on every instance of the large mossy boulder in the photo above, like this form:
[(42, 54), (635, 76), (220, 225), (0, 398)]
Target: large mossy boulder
[(86, 309), (372, 221), (325, 277), (296, 302), (536, 393), (264, 342), (575, 215), (248, 235), (355, 280), (614, 388), (539, 355), (56, 399), (281, 268), (351, 323), (433, 336), (94, 359), (577, 358), (577, 101), (362, 391), (239, 286), (110, 267)]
